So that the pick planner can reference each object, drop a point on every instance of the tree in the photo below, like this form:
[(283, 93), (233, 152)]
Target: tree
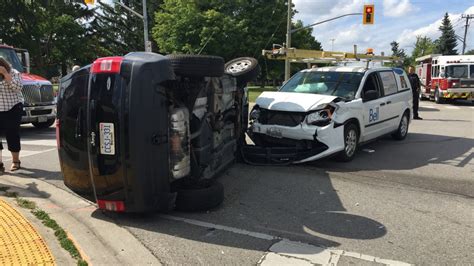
[(228, 28), (423, 46), (470, 52), (52, 31), (447, 42), (118, 30), (396, 51)]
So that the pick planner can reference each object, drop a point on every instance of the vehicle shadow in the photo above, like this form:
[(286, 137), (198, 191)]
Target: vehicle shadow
[(290, 202), (416, 151)]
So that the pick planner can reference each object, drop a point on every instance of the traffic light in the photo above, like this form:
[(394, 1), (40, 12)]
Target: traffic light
[(368, 15), (89, 2)]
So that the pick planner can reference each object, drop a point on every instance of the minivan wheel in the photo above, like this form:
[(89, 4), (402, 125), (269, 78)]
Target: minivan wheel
[(244, 69), (197, 66), (402, 130), (45, 124), (351, 141), (200, 198)]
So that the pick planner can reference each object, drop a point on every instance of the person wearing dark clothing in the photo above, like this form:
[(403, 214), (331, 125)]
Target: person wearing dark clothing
[(11, 109), (415, 89)]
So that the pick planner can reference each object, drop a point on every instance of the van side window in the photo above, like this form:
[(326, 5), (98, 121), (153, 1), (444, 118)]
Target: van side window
[(388, 82), (371, 84)]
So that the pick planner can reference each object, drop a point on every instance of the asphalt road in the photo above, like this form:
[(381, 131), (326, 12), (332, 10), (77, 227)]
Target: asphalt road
[(410, 201)]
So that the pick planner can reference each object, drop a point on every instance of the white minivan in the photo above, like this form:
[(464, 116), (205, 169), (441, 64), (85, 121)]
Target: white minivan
[(326, 111)]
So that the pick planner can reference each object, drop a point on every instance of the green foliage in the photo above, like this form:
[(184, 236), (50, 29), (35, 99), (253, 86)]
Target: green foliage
[(470, 52), (227, 28), (52, 31), (396, 51), (447, 42)]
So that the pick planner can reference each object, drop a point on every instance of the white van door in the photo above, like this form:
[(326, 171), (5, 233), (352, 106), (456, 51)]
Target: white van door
[(393, 101), (374, 111)]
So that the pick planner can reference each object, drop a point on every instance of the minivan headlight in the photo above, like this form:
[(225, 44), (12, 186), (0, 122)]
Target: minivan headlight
[(319, 117)]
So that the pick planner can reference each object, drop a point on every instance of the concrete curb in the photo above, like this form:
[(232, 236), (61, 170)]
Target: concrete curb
[(97, 236)]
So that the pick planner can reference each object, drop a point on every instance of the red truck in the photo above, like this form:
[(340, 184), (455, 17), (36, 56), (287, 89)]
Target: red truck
[(446, 77), (40, 104)]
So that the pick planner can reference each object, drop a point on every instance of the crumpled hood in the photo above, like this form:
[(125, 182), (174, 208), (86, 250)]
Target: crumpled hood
[(292, 101), (32, 77)]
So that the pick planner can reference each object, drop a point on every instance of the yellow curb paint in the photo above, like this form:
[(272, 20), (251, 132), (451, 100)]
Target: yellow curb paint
[(20, 243), (79, 249)]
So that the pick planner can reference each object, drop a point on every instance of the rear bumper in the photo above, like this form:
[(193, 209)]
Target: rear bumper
[(38, 113)]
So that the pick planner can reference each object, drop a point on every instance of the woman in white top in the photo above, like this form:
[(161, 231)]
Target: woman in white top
[(11, 110)]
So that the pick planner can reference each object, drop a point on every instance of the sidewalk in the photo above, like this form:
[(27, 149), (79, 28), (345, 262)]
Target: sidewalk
[(25, 240)]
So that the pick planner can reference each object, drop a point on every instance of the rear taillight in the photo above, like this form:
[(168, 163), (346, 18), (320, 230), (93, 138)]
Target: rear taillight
[(111, 205), (57, 132), (107, 65)]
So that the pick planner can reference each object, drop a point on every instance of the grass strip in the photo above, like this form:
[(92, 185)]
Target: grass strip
[(59, 232)]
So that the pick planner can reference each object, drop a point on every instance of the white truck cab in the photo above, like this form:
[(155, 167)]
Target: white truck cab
[(325, 111)]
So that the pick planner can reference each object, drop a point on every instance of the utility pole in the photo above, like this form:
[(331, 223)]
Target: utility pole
[(467, 17), (145, 28), (332, 44), (288, 41)]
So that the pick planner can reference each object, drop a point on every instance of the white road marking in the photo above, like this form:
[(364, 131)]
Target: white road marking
[(287, 252), (452, 107), (39, 142), (23, 154)]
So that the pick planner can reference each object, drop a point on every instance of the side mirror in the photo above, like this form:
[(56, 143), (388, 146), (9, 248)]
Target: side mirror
[(371, 95)]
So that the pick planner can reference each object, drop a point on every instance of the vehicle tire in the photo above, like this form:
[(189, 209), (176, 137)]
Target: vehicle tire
[(46, 124), (421, 97), (197, 65), (402, 130), (351, 141), (200, 198), (438, 99), (244, 69)]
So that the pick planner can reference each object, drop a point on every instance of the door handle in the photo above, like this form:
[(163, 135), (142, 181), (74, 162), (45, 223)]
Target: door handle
[(389, 102), (382, 104)]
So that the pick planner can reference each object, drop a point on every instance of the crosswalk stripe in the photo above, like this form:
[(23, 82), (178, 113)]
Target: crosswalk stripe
[(452, 107), (39, 142)]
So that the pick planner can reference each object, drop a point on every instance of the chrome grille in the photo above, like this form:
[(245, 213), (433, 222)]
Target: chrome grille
[(35, 94)]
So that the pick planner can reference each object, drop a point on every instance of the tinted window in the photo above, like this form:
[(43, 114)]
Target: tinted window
[(342, 84), (389, 83), (459, 71), (10, 55), (472, 71)]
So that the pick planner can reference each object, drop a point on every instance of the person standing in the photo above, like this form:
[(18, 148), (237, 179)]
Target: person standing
[(11, 110), (415, 89)]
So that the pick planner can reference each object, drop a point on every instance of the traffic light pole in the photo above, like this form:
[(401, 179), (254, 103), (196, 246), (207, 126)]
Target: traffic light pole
[(289, 31), (144, 17)]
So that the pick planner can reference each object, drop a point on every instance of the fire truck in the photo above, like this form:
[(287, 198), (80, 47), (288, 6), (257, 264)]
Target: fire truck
[(446, 77), (39, 105)]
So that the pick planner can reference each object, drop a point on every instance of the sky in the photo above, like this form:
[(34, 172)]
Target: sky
[(399, 20)]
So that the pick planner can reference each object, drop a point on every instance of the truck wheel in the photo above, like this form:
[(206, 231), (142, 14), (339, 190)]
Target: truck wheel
[(46, 124), (244, 69), (200, 198), (351, 141), (402, 130), (197, 66), (437, 97)]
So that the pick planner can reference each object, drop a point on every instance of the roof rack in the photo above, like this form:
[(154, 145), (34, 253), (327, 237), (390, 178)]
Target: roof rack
[(315, 56)]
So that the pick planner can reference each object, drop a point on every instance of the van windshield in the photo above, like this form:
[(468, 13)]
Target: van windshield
[(10, 55), (457, 71), (342, 84)]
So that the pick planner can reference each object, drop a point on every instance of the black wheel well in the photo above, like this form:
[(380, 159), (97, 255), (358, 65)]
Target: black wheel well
[(354, 121)]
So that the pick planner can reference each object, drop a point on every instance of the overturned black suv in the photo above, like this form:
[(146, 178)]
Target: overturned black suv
[(147, 132)]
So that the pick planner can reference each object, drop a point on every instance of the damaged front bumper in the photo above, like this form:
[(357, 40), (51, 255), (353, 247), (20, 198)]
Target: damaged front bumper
[(285, 145)]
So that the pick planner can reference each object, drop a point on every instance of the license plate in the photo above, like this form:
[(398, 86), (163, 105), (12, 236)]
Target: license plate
[(274, 132), (107, 140), (42, 119)]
